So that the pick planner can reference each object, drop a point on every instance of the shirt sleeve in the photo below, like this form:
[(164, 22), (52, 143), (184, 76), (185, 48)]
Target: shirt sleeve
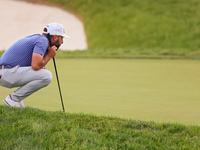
[(41, 45)]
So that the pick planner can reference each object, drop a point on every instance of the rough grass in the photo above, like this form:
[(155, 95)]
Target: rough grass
[(35, 129), (135, 28)]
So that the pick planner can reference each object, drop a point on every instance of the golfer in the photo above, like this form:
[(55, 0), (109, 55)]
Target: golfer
[(23, 64)]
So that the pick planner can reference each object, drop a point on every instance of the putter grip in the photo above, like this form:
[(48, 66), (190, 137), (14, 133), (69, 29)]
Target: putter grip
[(49, 38)]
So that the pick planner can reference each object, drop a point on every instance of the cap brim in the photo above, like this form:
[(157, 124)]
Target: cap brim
[(66, 36)]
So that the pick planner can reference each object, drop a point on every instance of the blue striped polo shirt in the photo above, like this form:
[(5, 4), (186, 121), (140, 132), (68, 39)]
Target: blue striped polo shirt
[(20, 53)]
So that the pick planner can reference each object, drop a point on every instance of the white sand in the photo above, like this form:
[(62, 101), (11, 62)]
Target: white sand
[(19, 19)]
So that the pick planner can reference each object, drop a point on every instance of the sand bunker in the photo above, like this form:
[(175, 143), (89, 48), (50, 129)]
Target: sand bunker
[(20, 19)]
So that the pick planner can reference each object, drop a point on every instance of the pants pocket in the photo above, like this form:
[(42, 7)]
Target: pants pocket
[(6, 78)]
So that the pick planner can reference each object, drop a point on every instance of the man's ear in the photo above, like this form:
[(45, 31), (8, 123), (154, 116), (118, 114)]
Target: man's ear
[(54, 38)]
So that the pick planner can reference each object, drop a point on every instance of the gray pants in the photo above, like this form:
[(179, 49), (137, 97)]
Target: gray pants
[(26, 78)]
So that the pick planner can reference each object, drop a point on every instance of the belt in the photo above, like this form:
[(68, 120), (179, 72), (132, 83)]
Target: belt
[(3, 67)]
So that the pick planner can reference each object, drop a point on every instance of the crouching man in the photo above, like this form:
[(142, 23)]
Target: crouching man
[(23, 64)]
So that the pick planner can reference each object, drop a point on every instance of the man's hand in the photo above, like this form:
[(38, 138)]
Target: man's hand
[(52, 51)]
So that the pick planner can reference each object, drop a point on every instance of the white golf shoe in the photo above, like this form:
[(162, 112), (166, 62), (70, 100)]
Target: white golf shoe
[(9, 102), (21, 103)]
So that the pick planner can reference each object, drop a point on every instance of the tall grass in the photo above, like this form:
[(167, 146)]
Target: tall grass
[(35, 129)]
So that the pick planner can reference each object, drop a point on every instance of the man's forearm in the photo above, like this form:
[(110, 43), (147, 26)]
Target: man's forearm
[(39, 61)]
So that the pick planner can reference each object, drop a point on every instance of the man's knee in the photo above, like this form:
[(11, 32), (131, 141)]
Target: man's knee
[(47, 77)]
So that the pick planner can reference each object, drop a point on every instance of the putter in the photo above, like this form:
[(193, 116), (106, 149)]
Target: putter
[(56, 74)]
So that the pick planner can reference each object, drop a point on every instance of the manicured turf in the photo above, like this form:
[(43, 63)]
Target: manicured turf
[(150, 90)]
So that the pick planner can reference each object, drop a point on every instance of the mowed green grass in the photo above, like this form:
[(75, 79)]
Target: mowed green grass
[(150, 90)]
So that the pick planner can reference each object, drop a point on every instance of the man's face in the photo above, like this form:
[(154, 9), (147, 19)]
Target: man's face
[(58, 42)]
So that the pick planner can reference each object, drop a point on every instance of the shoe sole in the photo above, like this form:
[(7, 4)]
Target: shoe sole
[(6, 103)]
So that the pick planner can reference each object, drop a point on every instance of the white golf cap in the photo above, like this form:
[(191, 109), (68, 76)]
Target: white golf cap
[(55, 29)]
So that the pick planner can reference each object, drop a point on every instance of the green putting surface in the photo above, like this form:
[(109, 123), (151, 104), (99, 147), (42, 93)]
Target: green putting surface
[(151, 90)]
